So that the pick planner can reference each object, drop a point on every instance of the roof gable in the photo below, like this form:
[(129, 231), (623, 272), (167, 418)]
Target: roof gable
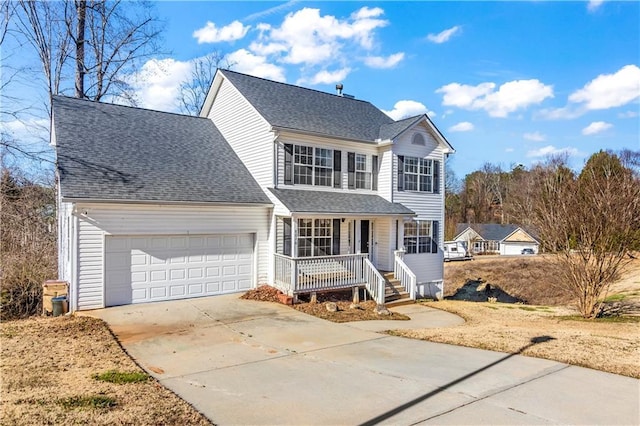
[(118, 153)]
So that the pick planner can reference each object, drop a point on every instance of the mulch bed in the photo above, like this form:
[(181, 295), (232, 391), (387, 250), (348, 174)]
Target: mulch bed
[(347, 311)]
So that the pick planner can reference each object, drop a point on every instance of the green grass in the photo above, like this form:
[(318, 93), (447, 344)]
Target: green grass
[(606, 319), (120, 377), (615, 298), (92, 401)]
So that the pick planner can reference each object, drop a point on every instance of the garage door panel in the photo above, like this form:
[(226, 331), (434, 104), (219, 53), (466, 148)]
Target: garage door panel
[(153, 268)]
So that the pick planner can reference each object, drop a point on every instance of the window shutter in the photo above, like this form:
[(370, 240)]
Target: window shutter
[(288, 168), (436, 176), (351, 168), (434, 236), (400, 172), (374, 174), (337, 169), (336, 237), (286, 236)]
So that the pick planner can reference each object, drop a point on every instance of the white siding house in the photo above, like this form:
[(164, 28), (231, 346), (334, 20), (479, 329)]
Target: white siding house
[(272, 184)]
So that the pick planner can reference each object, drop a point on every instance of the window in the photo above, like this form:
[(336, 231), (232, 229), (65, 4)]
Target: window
[(311, 166), (418, 139), (421, 236), (418, 174), (324, 167), (316, 237), (363, 171)]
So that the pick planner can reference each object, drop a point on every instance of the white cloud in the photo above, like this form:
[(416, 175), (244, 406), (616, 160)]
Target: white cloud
[(270, 11), (27, 130), (464, 126), (596, 127), (610, 90), (443, 36), (382, 62), (509, 97), (157, 84), (551, 150), (564, 113), (212, 34), (594, 5), (406, 108), (535, 136), (256, 65), (509, 150), (326, 77), (308, 38), (628, 114)]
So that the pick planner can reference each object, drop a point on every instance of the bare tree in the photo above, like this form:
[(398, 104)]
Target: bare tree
[(591, 222), (194, 91), (95, 43)]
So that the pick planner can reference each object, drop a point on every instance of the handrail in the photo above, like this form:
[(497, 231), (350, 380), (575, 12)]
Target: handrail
[(404, 274), (374, 281)]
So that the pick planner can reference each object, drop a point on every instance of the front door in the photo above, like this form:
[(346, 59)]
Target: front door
[(364, 236)]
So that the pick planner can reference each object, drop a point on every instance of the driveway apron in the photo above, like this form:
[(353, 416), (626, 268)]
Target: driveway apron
[(244, 362)]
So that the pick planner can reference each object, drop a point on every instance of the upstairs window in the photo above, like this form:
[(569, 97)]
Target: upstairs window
[(363, 172), (311, 166), (418, 174), (418, 139)]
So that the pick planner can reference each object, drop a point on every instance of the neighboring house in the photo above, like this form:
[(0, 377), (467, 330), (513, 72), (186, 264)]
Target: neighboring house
[(274, 183), (491, 238)]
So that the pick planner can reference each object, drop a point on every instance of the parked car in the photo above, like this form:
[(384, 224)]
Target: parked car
[(527, 251)]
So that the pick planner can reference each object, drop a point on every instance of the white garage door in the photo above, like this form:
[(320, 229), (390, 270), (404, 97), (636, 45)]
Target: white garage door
[(152, 268), (516, 248)]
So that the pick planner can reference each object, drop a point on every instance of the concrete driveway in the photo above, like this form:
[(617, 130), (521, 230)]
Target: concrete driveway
[(243, 362)]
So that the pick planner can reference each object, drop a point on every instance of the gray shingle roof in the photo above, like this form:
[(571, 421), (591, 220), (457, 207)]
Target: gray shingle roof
[(489, 231), (292, 107), (300, 201), (391, 130), (112, 152)]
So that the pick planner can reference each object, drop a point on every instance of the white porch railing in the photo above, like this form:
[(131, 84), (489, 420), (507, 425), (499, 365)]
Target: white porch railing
[(294, 275), (402, 273), (374, 282)]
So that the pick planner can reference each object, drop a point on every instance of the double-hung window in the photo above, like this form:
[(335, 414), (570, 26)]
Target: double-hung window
[(418, 174), (363, 171), (311, 166), (421, 236), (315, 237), (323, 169)]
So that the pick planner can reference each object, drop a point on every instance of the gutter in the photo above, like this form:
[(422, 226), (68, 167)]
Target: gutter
[(161, 202)]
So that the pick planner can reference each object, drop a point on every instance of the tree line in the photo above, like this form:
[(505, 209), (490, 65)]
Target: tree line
[(589, 221)]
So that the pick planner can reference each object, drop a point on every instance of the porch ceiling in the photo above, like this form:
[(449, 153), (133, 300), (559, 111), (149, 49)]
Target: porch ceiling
[(300, 201)]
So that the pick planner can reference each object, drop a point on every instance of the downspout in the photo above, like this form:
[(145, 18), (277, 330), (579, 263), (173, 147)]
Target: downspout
[(73, 285), (275, 157)]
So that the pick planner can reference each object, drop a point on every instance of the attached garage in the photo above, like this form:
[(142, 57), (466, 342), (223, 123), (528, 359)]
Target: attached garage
[(153, 207), (141, 269), (513, 248)]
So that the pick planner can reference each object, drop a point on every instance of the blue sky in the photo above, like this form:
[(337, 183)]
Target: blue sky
[(506, 82)]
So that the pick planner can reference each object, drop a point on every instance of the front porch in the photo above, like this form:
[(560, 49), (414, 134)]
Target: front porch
[(301, 275)]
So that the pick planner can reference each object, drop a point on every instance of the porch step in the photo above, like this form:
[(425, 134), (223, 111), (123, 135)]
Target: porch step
[(394, 292)]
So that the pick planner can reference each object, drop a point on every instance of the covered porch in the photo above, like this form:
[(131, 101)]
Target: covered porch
[(327, 242)]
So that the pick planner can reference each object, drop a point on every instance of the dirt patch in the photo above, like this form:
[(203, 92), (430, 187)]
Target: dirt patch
[(532, 280), (602, 345), (346, 310), (48, 367)]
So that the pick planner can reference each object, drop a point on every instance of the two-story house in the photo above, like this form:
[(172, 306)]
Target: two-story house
[(274, 183)]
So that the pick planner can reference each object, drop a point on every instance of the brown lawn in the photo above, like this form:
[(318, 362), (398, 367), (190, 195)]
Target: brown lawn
[(47, 368)]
